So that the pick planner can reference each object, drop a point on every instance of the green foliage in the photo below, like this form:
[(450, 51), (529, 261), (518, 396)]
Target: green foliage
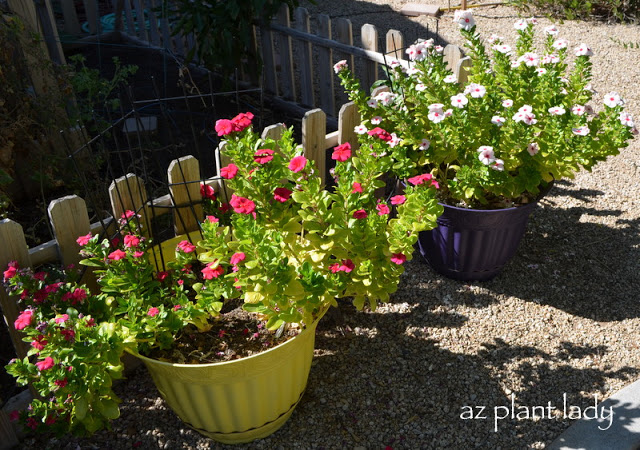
[(521, 120), (626, 45), (223, 29)]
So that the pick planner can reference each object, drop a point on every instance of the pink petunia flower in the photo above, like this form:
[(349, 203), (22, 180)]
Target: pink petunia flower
[(237, 258), (398, 199), (153, 311), (207, 192), (297, 163), (398, 258), (186, 247), (117, 255), (383, 209), (242, 205), (229, 172), (360, 214), (263, 156), (356, 188), (45, 364), (84, 240), (211, 272), (281, 194), (224, 127), (131, 240), (342, 152)]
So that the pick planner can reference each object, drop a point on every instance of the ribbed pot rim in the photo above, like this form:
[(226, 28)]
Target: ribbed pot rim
[(310, 327)]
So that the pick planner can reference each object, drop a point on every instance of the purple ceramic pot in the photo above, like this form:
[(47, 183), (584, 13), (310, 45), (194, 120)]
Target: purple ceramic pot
[(474, 244)]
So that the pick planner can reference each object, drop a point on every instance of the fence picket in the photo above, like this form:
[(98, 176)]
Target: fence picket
[(287, 81), (314, 130), (268, 60), (71, 22), (91, 11), (131, 29), (460, 72), (141, 21), (69, 219), (184, 174), (153, 24), (273, 132), (395, 44), (325, 63), (13, 248), (452, 54), (348, 119), (369, 37), (304, 58), (128, 193), (344, 34)]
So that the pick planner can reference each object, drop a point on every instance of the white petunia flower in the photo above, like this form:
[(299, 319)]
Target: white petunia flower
[(502, 48), (626, 119), (520, 24), (552, 30), (360, 129), (557, 111), (533, 148), (530, 59), (526, 109), (578, 110), (421, 87), (465, 19), (450, 79), (436, 116), (507, 103), (498, 165), (581, 131), (376, 120), (413, 71), (436, 107), (459, 101), (497, 120), (340, 65), (612, 99), (583, 50), (424, 145), (560, 44), (475, 90), (372, 103), (541, 71), (486, 155)]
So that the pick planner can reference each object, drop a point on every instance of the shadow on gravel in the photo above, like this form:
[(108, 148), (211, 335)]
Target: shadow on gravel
[(396, 386), (582, 260)]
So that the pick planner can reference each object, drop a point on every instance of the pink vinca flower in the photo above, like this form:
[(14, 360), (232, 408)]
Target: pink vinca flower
[(242, 121), (383, 209), (210, 272), (131, 240), (263, 156), (153, 311), (581, 131), (533, 148), (237, 258), (583, 50), (297, 164), (356, 188), (224, 127), (612, 99), (360, 214), (11, 271), (340, 66), (117, 255), (207, 192)]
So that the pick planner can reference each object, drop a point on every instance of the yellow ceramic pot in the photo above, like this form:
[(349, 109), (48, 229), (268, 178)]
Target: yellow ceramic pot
[(241, 400)]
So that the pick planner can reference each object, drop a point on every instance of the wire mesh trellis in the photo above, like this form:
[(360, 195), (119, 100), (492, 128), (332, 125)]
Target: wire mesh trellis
[(127, 162)]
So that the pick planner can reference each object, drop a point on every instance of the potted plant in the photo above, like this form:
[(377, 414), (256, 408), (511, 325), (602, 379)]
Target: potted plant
[(494, 143), (283, 248)]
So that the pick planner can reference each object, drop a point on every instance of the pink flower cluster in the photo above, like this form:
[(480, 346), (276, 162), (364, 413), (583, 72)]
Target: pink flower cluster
[(238, 123)]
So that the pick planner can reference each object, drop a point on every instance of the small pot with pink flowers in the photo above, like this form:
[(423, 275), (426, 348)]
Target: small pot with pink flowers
[(224, 318), (494, 141)]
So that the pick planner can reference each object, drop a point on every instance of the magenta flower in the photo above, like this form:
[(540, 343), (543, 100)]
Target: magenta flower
[(210, 272), (131, 240), (383, 209), (224, 127), (229, 172), (10, 272), (207, 192), (45, 364), (263, 156), (282, 194), (24, 319), (398, 258), (398, 199), (297, 163), (342, 152), (242, 121), (360, 214), (356, 188), (117, 255), (237, 258), (242, 205), (84, 240), (153, 311), (212, 219), (62, 319), (186, 247)]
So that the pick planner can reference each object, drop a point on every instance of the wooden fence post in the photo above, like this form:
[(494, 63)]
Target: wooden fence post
[(314, 130), (128, 193), (369, 39), (452, 55), (13, 248), (325, 67), (268, 60), (348, 119), (184, 174), (69, 219), (460, 71), (273, 132), (71, 23)]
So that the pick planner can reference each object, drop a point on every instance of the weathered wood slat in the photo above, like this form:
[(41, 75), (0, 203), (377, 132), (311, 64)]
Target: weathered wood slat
[(369, 36), (344, 35), (91, 10), (287, 80), (314, 130), (184, 176), (460, 71), (273, 132), (141, 20), (69, 219), (348, 118), (452, 55), (395, 44), (13, 248), (131, 29), (268, 60), (325, 63), (305, 64), (154, 35), (129, 193), (70, 15)]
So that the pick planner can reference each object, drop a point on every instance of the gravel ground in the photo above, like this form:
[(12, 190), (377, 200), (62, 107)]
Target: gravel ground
[(561, 320)]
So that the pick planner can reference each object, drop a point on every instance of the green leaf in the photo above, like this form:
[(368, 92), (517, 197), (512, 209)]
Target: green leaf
[(82, 407)]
